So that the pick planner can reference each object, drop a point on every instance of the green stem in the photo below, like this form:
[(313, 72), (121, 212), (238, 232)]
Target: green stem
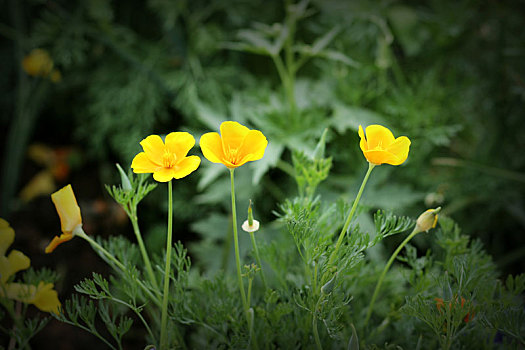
[(314, 325), (245, 303), (258, 259), (249, 295), (288, 81), (80, 233), (164, 317), (137, 312), (351, 214), (236, 243), (145, 257), (385, 270)]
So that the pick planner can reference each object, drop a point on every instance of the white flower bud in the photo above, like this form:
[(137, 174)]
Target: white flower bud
[(250, 228)]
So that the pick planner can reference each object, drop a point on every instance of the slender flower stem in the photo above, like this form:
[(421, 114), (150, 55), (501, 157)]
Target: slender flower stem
[(145, 257), (80, 233), (246, 306), (236, 243), (258, 258), (164, 317), (351, 214), (385, 270)]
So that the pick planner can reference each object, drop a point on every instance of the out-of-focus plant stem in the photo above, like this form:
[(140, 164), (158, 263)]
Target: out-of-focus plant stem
[(29, 99)]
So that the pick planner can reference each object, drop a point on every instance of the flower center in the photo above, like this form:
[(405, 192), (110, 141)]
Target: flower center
[(168, 159), (232, 155)]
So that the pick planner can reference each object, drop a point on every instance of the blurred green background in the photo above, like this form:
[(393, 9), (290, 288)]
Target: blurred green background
[(450, 75)]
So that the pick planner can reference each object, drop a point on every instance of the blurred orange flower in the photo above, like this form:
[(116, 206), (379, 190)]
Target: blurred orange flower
[(38, 63), (168, 160), (235, 146), (380, 147), (440, 303), (69, 213)]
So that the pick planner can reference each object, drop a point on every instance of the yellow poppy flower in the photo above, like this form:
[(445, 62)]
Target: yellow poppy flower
[(69, 213), (16, 260), (235, 146), (380, 147), (42, 296), (166, 160)]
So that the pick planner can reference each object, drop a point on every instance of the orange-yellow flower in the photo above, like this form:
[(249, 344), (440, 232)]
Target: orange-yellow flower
[(166, 160), (380, 147), (69, 213), (235, 146)]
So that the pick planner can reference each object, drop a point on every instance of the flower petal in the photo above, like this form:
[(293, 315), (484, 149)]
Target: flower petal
[(46, 298), (379, 157), (163, 174), (7, 236), (186, 167), (232, 135), (400, 147), (179, 143), (57, 241), (211, 147), (362, 143), (253, 147), (16, 261), (154, 148), (67, 208), (378, 136), (141, 164)]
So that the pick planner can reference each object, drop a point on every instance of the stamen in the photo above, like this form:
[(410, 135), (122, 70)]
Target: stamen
[(233, 157), (169, 159)]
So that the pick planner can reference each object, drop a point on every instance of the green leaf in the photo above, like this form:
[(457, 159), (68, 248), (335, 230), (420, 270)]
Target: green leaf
[(350, 117)]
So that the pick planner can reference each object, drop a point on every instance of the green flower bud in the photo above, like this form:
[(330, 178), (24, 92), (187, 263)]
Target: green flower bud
[(126, 184), (250, 225)]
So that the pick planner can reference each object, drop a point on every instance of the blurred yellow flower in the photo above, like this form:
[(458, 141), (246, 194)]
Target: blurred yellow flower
[(380, 147), (38, 63), (16, 260), (168, 160), (69, 213), (42, 296), (235, 146)]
